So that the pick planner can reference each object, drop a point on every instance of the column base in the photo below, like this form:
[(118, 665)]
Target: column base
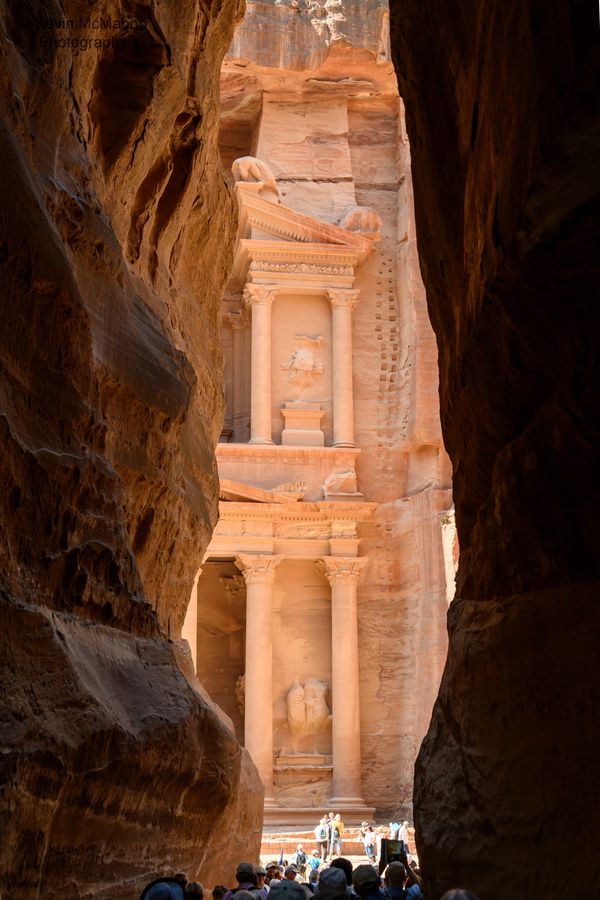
[(343, 444), (261, 441)]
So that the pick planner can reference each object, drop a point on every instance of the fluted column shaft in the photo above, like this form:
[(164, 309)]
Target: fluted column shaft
[(260, 298), (342, 304), (343, 574), (259, 574)]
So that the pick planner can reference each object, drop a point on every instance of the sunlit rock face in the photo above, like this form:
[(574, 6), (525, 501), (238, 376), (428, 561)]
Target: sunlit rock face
[(309, 89), (116, 238), (502, 113)]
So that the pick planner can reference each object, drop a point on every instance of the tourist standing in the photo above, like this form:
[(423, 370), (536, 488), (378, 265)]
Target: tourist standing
[(322, 838), (300, 860), (337, 831)]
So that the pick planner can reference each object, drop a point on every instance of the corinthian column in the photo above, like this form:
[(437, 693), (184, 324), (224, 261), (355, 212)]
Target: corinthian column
[(342, 574), (259, 574), (342, 304), (260, 298)]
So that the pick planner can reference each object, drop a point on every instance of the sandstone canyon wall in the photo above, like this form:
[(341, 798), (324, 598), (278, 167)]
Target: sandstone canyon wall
[(116, 236), (309, 88), (502, 112)]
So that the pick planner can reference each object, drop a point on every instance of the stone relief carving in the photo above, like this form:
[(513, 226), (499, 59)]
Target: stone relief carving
[(255, 171), (362, 219), (240, 693), (340, 483), (291, 487), (305, 364), (232, 584), (303, 268), (308, 713)]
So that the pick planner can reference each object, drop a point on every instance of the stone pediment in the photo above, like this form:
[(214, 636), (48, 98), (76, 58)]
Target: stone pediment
[(283, 221), (238, 490), (292, 243)]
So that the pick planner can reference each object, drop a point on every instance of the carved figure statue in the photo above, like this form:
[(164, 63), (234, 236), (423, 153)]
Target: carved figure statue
[(340, 483), (255, 171), (303, 365), (362, 219), (308, 713), (296, 712), (240, 693)]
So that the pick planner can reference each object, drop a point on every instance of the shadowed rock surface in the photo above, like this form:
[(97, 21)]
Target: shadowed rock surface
[(502, 106), (116, 236)]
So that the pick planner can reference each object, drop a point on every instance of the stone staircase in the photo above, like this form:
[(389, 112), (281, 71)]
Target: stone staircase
[(274, 842)]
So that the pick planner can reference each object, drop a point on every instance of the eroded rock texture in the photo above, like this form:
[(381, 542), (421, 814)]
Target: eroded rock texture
[(502, 113), (116, 234)]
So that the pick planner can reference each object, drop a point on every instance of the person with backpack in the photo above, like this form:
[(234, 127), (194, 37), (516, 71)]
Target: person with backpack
[(321, 837), (300, 860), (337, 830)]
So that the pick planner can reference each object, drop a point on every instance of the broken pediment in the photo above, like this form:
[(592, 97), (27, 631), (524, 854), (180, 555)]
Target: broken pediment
[(238, 490), (275, 242)]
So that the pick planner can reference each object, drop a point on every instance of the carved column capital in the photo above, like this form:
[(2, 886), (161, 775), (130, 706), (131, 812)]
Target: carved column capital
[(344, 299), (263, 294), (238, 320), (342, 569), (259, 569)]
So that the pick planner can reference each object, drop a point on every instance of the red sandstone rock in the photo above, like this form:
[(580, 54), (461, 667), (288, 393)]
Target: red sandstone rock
[(502, 113), (116, 235)]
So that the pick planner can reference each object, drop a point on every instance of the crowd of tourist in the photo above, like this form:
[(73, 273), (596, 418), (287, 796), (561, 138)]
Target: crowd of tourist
[(391, 873)]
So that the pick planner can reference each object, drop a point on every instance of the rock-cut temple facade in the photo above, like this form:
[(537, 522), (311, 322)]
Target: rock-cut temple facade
[(317, 622)]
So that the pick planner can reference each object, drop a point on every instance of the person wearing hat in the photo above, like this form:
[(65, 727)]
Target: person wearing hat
[(261, 876), (367, 883), (287, 890), (332, 884), (164, 889)]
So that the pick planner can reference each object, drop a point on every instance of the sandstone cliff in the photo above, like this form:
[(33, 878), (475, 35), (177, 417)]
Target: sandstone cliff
[(309, 88), (502, 112), (116, 235)]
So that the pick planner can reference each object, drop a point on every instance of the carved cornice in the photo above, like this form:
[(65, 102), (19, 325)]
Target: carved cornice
[(259, 569), (343, 299), (275, 454), (259, 294), (342, 569), (316, 512)]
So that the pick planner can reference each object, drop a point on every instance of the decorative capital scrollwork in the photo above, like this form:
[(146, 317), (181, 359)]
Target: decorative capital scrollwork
[(255, 294), (342, 569), (344, 299), (259, 569)]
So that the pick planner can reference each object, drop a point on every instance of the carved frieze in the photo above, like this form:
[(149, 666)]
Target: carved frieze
[(299, 268)]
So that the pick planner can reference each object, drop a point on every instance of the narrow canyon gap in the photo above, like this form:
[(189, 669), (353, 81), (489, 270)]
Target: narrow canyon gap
[(502, 107)]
